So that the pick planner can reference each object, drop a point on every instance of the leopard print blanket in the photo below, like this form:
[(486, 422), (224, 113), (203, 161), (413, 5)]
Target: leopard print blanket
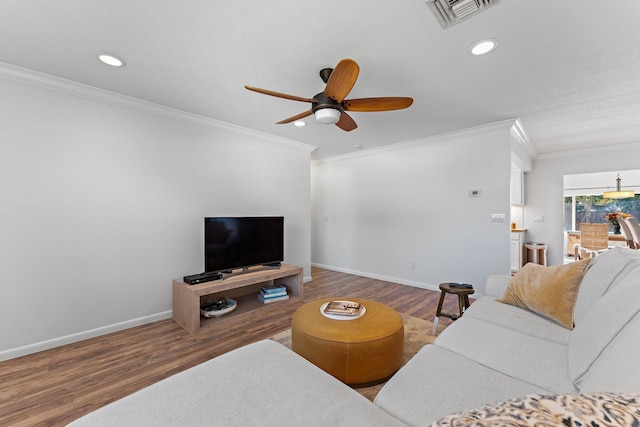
[(570, 410)]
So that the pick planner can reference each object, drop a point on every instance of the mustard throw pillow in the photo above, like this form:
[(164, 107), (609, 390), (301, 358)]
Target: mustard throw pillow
[(548, 291)]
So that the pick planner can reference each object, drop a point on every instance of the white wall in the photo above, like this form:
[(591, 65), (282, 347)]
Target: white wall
[(403, 213), (544, 188), (102, 206)]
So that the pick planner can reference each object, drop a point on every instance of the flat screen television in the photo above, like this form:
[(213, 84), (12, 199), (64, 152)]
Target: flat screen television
[(231, 243)]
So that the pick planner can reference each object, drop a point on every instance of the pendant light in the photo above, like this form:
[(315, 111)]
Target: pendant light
[(618, 194)]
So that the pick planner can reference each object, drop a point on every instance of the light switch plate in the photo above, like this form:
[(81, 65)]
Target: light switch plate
[(498, 217)]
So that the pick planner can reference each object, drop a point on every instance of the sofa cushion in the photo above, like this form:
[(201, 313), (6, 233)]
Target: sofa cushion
[(549, 291), (593, 409), (437, 382), (604, 321), (516, 318), (617, 367), (262, 384), (534, 360), (496, 284), (602, 272)]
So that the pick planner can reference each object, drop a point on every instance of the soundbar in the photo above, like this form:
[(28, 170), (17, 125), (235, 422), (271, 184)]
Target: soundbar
[(194, 279)]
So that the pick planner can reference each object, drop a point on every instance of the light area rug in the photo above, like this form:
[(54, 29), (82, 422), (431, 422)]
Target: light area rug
[(417, 333)]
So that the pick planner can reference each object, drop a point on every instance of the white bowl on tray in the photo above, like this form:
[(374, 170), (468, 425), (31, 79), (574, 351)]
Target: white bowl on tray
[(231, 305)]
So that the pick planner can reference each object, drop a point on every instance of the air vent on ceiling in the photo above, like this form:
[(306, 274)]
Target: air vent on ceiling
[(450, 12)]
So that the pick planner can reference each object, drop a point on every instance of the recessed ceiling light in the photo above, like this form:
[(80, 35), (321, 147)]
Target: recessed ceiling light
[(111, 59), (358, 146), (300, 123), (483, 47)]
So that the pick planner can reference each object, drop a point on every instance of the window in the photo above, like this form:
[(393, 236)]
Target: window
[(592, 208)]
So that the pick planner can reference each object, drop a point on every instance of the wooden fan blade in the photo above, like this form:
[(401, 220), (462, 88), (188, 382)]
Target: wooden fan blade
[(342, 79), (280, 95), (296, 117), (346, 122), (377, 104)]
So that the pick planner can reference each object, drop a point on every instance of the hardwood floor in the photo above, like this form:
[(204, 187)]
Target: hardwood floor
[(56, 386)]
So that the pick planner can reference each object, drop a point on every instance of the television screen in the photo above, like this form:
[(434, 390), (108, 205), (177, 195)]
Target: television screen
[(231, 243)]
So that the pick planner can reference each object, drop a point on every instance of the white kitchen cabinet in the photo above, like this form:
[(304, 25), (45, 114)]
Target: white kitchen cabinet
[(517, 242), (517, 187)]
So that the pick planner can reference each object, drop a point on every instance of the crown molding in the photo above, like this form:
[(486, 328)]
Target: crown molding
[(81, 90), (522, 138), (427, 139), (522, 151), (591, 150)]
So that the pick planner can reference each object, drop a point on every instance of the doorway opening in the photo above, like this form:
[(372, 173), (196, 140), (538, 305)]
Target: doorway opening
[(584, 202)]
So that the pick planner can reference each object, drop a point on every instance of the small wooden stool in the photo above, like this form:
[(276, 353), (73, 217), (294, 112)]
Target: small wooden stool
[(463, 301)]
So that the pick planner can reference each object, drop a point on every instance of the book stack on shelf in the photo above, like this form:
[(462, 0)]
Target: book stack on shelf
[(273, 293)]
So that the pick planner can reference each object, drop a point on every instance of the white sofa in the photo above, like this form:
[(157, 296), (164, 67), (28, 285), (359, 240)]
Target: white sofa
[(493, 353)]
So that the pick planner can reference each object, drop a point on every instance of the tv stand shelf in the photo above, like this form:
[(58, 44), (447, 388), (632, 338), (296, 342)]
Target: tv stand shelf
[(243, 288)]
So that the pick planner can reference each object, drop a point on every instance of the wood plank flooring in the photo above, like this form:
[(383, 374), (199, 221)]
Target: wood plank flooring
[(56, 386)]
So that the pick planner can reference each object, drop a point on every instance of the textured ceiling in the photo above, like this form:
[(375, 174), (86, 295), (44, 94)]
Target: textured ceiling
[(570, 69)]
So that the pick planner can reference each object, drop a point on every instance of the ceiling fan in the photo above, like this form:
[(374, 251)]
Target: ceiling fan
[(331, 106)]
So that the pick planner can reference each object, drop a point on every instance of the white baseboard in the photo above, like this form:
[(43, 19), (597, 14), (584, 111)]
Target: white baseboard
[(422, 285), (69, 339)]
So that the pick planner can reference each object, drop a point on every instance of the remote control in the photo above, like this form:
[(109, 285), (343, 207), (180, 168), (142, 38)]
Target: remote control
[(461, 285)]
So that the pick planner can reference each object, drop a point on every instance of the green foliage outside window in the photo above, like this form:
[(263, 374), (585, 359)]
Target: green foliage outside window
[(593, 208)]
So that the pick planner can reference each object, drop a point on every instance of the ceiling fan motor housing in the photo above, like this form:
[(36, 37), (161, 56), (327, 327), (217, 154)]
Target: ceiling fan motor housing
[(325, 102)]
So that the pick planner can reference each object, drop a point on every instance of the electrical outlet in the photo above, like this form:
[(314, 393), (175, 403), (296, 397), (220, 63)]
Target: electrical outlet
[(498, 217), (538, 218), (475, 193)]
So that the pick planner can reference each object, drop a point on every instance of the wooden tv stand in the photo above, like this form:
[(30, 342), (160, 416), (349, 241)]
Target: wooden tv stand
[(243, 288)]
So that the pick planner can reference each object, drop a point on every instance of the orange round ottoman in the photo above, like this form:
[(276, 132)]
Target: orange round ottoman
[(358, 351)]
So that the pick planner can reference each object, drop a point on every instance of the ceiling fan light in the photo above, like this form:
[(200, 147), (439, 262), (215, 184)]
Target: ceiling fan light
[(328, 116)]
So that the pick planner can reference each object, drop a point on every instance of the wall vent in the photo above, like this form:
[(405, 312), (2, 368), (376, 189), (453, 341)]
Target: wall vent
[(450, 12)]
